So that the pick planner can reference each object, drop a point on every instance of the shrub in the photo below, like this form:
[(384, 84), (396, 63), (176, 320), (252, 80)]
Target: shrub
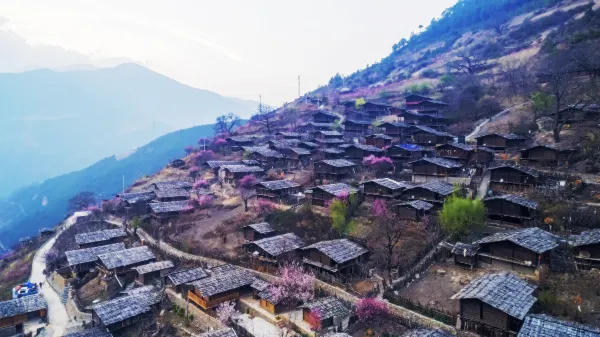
[(460, 215), (264, 207), (430, 73), (200, 184), (371, 310), (203, 156)]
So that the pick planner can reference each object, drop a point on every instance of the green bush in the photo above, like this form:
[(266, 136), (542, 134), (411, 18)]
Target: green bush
[(460, 215)]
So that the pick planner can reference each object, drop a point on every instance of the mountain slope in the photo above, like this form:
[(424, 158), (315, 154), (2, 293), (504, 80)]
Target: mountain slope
[(45, 204), (55, 122)]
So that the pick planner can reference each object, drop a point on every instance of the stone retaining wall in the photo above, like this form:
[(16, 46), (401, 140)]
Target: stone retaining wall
[(201, 319)]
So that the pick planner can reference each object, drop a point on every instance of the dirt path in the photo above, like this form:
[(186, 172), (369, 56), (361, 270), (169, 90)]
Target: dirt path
[(485, 184), (491, 119)]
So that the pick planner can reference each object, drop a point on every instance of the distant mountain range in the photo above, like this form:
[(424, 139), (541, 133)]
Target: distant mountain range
[(31, 208), (54, 122)]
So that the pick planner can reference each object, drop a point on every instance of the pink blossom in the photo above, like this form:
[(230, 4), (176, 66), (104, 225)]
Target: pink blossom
[(314, 320), (200, 184), (265, 206), (343, 195), (369, 310), (224, 312), (205, 201), (220, 142), (378, 163), (203, 156), (93, 209), (248, 181), (380, 209), (188, 149), (292, 284)]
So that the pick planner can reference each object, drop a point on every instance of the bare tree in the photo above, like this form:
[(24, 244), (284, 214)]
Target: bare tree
[(388, 234), (467, 63), (265, 117), (226, 123), (515, 76), (290, 117), (82, 201)]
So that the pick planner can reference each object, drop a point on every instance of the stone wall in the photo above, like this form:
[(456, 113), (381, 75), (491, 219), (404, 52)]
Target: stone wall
[(201, 319)]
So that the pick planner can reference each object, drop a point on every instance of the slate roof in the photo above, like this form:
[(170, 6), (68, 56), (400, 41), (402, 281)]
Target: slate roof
[(534, 239), (47, 230), (284, 143), (268, 152), (413, 147), (357, 122), (461, 146), (242, 168), (186, 276), (241, 139), (338, 188), (379, 136), (389, 183), (585, 238), (262, 227), (417, 204), (99, 236), (396, 124), (338, 162), (173, 184), (443, 162), (326, 113), (22, 306), (340, 250), (536, 325), (174, 193), (431, 131), (328, 307), (288, 134), (332, 151), (310, 144), (556, 147), (126, 257), (427, 333), (331, 141), (527, 170), (260, 285), (268, 296), (225, 332), (154, 266), (250, 162), (213, 164), (222, 282), (92, 332), (330, 133), (511, 136), (87, 255), (224, 268), (136, 302), (365, 147), (515, 199), (136, 197), (464, 249), (503, 291), (278, 184), (299, 150), (279, 244), (438, 187), (169, 206)]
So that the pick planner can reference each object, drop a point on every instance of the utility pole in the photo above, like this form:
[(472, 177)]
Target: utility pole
[(299, 95), (123, 184)]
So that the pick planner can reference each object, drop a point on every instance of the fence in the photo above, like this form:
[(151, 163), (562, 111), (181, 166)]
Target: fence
[(438, 314)]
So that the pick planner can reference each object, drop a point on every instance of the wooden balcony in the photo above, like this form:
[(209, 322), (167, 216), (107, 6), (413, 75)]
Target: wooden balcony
[(211, 303)]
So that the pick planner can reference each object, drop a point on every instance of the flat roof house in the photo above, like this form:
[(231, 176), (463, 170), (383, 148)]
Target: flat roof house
[(500, 141), (428, 169), (220, 287), (138, 304), (520, 250), (153, 272), (495, 303), (510, 208), (15, 313), (123, 261), (179, 278), (165, 212), (536, 325), (276, 248), (385, 188), (258, 231), (277, 190), (586, 247), (100, 238), (360, 151), (413, 210), (320, 195), (331, 310), (338, 258), (434, 192), (83, 260), (334, 169)]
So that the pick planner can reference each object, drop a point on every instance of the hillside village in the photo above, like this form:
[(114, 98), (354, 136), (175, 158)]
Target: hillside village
[(381, 209)]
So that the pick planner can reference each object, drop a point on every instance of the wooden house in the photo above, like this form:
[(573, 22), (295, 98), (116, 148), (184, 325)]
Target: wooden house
[(510, 208), (520, 250), (136, 203), (311, 146), (312, 127), (330, 142), (425, 118), (495, 304), (269, 303), (226, 286), (546, 154), (434, 192), (137, 305), (360, 151), (172, 185), (394, 129), (330, 310), (275, 249), (356, 127), (360, 115), (413, 210), (535, 325), (177, 279), (429, 332), (326, 134), (408, 152), (586, 248), (172, 195), (224, 332), (334, 169), (379, 140), (320, 195), (233, 173), (287, 135), (279, 145), (500, 141), (14, 314), (154, 272), (376, 110), (332, 153), (429, 169), (465, 255), (339, 258), (123, 261), (83, 260), (165, 212), (100, 238), (466, 154), (423, 103), (325, 117), (423, 135), (384, 188), (277, 190), (236, 143), (258, 231), (297, 157), (513, 177), (267, 158)]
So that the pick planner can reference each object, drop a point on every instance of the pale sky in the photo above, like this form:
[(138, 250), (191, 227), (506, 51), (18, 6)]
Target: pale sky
[(240, 48)]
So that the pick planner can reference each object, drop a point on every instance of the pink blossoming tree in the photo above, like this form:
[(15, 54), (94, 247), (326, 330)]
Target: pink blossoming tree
[(380, 209), (378, 164), (293, 284), (194, 171), (314, 320), (371, 310), (224, 312), (204, 155), (205, 202), (264, 207), (246, 192)]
